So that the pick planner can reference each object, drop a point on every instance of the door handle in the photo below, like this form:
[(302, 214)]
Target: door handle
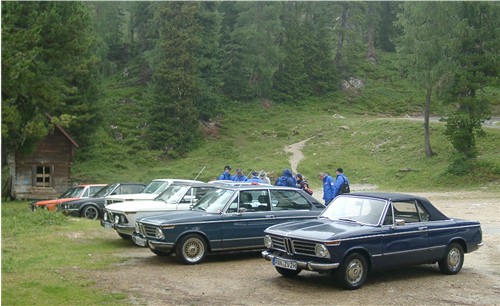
[(421, 228), (270, 216)]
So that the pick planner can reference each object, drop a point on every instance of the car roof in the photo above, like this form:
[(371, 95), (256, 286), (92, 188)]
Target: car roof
[(174, 180), (90, 185)]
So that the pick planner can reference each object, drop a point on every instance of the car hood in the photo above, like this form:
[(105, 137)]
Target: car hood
[(133, 206), (319, 229), (56, 201), (177, 217)]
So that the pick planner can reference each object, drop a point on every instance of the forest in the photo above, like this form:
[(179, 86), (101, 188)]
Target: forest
[(195, 58)]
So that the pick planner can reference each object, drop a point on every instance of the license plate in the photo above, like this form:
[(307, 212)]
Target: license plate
[(108, 225), (287, 264)]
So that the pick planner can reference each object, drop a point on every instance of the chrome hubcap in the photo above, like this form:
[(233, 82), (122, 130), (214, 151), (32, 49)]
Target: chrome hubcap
[(454, 258), (354, 271)]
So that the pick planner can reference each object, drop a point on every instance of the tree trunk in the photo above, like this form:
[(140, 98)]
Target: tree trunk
[(427, 110)]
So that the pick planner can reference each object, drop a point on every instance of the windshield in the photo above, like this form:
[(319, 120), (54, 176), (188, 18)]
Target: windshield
[(215, 200), (173, 193), (155, 187), (357, 209), (104, 191), (71, 193)]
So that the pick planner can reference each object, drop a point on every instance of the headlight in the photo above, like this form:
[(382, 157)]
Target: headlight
[(268, 241), (117, 219), (159, 233), (105, 216), (137, 227), (321, 250)]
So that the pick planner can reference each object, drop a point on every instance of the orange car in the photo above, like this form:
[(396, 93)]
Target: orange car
[(74, 193)]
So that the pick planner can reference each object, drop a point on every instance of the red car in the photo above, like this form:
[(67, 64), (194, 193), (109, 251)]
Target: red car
[(73, 193)]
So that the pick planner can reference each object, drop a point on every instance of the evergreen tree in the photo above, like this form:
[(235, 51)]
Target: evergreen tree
[(290, 81), (47, 67), (476, 60), (425, 48)]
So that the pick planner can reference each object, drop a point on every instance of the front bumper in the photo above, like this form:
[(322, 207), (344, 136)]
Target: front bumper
[(73, 212), (160, 246), (139, 240), (120, 228), (304, 265)]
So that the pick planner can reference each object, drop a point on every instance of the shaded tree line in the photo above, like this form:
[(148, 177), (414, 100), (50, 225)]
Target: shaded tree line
[(201, 54)]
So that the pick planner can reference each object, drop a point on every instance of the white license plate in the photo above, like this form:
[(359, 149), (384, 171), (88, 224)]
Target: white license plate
[(108, 225), (287, 264)]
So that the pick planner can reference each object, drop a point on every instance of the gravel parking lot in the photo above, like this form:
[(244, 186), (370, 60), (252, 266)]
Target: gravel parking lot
[(248, 279)]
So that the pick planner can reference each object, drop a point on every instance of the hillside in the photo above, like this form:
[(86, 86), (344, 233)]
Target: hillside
[(363, 132)]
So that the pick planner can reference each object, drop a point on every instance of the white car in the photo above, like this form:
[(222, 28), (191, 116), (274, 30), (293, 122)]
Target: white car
[(178, 196), (152, 190)]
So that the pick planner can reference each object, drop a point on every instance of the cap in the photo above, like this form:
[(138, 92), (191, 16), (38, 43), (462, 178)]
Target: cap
[(262, 174), (227, 168), (340, 170), (254, 173)]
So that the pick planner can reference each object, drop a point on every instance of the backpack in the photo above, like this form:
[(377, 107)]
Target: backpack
[(345, 187), (280, 181)]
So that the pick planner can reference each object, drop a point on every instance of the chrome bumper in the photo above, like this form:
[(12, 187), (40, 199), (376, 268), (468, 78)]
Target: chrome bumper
[(160, 246), (304, 265)]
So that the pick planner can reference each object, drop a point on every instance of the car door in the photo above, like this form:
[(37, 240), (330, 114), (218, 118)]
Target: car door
[(404, 243), (244, 221)]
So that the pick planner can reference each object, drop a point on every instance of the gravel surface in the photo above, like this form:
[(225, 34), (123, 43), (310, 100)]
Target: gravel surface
[(248, 279)]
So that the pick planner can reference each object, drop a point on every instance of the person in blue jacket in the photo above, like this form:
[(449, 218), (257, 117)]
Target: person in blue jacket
[(255, 178), (239, 176), (286, 179), (340, 179), (226, 175), (328, 183)]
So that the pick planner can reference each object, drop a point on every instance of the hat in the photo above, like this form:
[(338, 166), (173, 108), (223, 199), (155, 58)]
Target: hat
[(262, 174), (254, 173), (340, 170), (227, 168)]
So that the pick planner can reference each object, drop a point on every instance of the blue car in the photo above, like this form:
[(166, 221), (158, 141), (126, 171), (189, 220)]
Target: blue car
[(363, 232), (227, 218)]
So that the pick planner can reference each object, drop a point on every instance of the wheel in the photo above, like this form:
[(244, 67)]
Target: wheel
[(90, 212), (191, 249), (287, 272), (453, 260), (353, 271), (124, 236)]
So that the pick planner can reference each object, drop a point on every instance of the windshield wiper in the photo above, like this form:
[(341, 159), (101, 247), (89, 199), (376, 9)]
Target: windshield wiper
[(324, 217), (201, 208), (349, 220)]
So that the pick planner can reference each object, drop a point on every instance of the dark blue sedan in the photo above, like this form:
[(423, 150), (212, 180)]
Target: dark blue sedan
[(363, 232), (227, 218)]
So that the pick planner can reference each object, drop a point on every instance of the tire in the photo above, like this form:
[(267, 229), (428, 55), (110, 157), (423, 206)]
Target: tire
[(90, 212), (453, 260), (353, 272), (191, 249), (124, 236), (287, 272)]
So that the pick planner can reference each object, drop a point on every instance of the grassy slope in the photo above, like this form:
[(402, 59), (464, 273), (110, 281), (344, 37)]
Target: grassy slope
[(367, 141)]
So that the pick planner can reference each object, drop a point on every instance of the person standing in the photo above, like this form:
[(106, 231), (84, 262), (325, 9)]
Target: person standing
[(286, 179), (239, 176), (255, 178), (341, 183), (264, 178), (328, 183), (226, 175), (303, 184)]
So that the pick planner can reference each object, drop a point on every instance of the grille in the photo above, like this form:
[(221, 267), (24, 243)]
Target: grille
[(148, 230), (294, 246)]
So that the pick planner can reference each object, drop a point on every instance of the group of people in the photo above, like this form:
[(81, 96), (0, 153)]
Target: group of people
[(239, 176), (331, 187)]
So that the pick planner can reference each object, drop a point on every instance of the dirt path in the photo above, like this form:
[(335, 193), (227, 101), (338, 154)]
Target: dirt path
[(297, 155)]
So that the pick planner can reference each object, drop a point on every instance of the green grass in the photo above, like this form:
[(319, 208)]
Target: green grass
[(43, 255)]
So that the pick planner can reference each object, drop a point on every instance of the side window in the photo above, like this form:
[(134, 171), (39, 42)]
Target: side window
[(93, 190), (388, 220), (406, 211), (233, 207), (288, 200), (86, 193)]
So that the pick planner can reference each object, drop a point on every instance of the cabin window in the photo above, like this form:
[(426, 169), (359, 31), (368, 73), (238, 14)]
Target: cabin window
[(43, 176)]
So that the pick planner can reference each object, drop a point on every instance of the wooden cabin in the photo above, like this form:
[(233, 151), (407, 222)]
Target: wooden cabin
[(44, 174)]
